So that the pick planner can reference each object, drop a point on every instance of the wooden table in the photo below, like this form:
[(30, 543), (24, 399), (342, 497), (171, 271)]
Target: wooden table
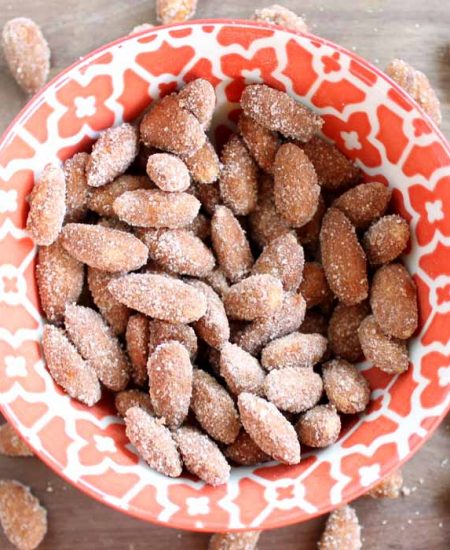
[(417, 31)]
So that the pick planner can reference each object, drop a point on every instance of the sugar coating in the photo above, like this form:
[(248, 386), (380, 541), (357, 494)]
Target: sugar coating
[(126, 399), (284, 259), (238, 178), (335, 172), (162, 331), (67, 367), (199, 98), (256, 296), (262, 143), (343, 331), (293, 390), (170, 379), (26, 52), (156, 208), (342, 530), (180, 251), (168, 172), (217, 281), (59, 279), (343, 258), (115, 313), (386, 239), (104, 248), (175, 11), (245, 452), (296, 192), (265, 223), (277, 111), (11, 444), (159, 296), (230, 244), (389, 487), (385, 352), (209, 196), (98, 345), (112, 154), (314, 287), (364, 203), (137, 340), (214, 408), (157, 128), (22, 517), (234, 541), (294, 350), (201, 456), (213, 327), (153, 441), (241, 371), (47, 206), (261, 331), (308, 234), (345, 386), (393, 299), (279, 15), (269, 428), (101, 199), (204, 164), (417, 85), (77, 189), (319, 427)]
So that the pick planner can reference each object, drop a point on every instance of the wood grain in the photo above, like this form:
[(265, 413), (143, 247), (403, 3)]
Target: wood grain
[(416, 31)]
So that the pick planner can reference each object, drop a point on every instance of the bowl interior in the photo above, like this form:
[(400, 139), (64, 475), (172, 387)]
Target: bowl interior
[(371, 121)]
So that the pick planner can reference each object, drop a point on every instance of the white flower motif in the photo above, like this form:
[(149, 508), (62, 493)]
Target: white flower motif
[(197, 506), (252, 77), (16, 366), (351, 140), (12, 285), (369, 474), (444, 376), (105, 444), (8, 201), (85, 106), (434, 211)]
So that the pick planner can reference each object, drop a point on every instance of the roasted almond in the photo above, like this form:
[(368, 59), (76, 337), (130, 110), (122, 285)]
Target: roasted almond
[(385, 352), (168, 172), (101, 199), (319, 427), (343, 259), (201, 456), (345, 386), (204, 165), (137, 339), (343, 331), (281, 16), (308, 234), (153, 441), (59, 280), (11, 444), (67, 367), (256, 296), (294, 350), (162, 331), (174, 11), (47, 206), (277, 111), (104, 248), (364, 203), (159, 296), (238, 178), (126, 399), (112, 154), (314, 287), (213, 408), (208, 195), (386, 239), (230, 244), (293, 390), (156, 208), (262, 143), (342, 530), (217, 281), (234, 541), (170, 380), (389, 487), (77, 189), (393, 299), (199, 98), (245, 452), (296, 192), (241, 371), (269, 429)]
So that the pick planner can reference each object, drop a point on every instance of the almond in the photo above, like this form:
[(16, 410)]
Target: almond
[(137, 339), (245, 452), (217, 281), (11, 444), (101, 199), (319, 427), (174, 11), (204, 165), (342, 530), (256, 296), (77, 189), (199, 98), (281, 16), (389, 487), (241, 371), (168, 172), (126, 399), (160, 297), (262, 143), (393, 298), (308, 234), (294, 350), (162, 331), (293, 390), (269, 428), (343, 331), (208, 195), (364, 203), (343, 259), (234, 541), (47, 206), (314, 287), (346, 388), (386, 239)]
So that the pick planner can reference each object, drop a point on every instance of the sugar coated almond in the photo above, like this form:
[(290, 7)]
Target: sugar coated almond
[(245, 452), (345, 386), (199, 98), (319, 427), (293, 390), (77, 189), (162, 331), (101, 199), (126, 399), (241, 371), (137, 340), (364, 203), (294, 350), (168, 172), (256, 296), (204, 164), (234, 541), (281, 16), (11, 444), (262, 143), (342, 530), (386, 239), (343, 330)]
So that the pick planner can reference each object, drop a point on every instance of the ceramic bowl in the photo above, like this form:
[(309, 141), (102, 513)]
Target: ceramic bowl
[(373, 122)]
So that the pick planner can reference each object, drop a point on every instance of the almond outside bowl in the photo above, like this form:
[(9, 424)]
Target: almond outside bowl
[(373, 122)]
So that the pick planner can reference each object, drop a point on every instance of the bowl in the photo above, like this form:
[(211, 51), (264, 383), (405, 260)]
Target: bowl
[(373, 122)]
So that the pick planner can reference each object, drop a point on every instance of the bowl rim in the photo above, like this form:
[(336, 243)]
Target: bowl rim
[(85, 59)]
